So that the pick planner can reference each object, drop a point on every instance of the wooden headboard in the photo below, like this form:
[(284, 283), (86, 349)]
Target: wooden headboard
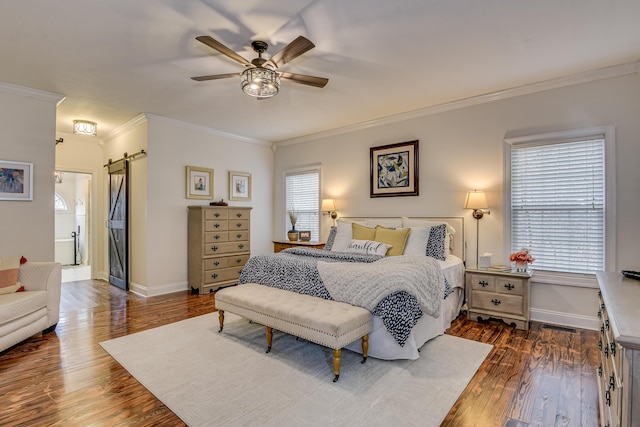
[(457, 222)]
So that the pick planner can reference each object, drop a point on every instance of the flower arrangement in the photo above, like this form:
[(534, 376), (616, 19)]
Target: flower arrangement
[(293, 217), (522, 256)]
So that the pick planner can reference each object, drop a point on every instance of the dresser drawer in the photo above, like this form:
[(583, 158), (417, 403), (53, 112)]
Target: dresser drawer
[(238, 214), (497, 302), (214, 225), (238, 224), (227, 261), (509, 286), (222, 274), (480, 281), (224, 248), (216, 236), (238, 235), (215, 213)]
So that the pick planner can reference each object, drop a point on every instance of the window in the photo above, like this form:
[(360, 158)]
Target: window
[(59, 203), (556, 197), (302, 192)]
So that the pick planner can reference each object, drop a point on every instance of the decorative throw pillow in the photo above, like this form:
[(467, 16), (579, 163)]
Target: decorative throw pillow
[(417, 241), (367, 247), (361, 232), (332, 236), (9, 270), (419, 222), (396, 238), (436, 243)]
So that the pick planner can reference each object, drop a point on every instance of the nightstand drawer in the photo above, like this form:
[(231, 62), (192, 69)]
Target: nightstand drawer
[(483, 282), (510, 286), (499, 303)]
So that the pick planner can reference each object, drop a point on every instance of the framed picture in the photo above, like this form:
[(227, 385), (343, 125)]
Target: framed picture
[(394, 170), (199, 183), (304, 236), (16, 180), (239, 186)]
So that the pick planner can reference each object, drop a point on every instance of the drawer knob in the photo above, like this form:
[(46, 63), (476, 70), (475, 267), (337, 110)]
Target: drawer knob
[(608, 398), (241, 245), (599, 314), (216, 263), (238, 225), (239, 260), (217, 214), (606, 324), (483, 283), (217, 236), (612, 349), (599, 344), (214, 248), (216, 225), (239, 235), (496, 301), (602, 306), (601, 330), (612, 383), (509, 286), (606, 351), (214, 276), (600, 370), (239, 215)]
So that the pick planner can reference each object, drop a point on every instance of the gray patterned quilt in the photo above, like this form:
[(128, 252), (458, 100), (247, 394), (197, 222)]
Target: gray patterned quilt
[(296, 270)]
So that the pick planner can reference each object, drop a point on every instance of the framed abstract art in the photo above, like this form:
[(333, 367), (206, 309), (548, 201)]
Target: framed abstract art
[(394, 170)]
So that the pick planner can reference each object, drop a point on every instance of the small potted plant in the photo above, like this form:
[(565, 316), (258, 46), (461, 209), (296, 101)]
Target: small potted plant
[(293, 234), (522, 259)]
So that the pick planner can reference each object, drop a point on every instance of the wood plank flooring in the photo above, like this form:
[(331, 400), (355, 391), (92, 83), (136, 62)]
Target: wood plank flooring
[(540, 377)]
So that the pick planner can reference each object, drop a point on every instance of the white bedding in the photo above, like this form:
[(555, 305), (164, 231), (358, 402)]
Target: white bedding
[(383, 346)]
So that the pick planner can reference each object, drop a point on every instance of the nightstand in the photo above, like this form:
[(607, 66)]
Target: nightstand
[(279, 245), (501, 295)]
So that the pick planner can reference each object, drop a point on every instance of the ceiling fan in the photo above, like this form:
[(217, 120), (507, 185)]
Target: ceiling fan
[(261, 78)]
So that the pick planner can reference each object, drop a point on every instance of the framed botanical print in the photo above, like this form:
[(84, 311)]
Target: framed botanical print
[(16, 180), (394, 170), (239, 186), (199, 183)]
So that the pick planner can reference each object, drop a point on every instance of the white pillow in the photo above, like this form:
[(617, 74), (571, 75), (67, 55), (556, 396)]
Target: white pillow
[(343, 235), (416, 222), (368, 247), (417, 241)]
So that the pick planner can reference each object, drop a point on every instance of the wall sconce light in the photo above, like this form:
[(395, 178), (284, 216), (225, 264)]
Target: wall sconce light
[(329, 208), (477, 201), (58, 177), (85, 127)]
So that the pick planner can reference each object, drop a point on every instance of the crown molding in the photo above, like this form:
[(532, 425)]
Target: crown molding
[(31, 93), (204, 129), (585, 77), (138, 120)]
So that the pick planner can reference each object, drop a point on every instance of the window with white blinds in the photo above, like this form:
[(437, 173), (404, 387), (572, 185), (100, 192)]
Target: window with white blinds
[(558, 203), (303, 198)]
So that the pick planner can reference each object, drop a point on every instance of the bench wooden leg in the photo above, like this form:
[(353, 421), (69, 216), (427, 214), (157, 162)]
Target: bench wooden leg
[(221, 319), (365, 347), (269, 338), (336, 363)]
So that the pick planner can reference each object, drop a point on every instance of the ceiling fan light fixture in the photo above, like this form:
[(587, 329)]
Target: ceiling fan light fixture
[(85, 127), (260, 82)]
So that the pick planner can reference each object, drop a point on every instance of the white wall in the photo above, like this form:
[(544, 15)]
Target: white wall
[(27, 120), (462, 150), (172, 146)]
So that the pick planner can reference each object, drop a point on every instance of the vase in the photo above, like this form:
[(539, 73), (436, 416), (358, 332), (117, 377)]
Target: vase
[(292, 235), (522, 267)]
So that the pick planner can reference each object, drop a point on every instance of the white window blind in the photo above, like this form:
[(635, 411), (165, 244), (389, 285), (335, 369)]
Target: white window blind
[(303, 198), (558, 204)]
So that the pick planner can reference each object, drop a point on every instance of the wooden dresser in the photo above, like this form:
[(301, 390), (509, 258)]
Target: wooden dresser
[(279, 245), (499, 295), (619, 345), (219, 246)]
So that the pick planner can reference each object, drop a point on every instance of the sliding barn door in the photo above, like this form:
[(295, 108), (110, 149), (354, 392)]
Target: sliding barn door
[(118, 224)]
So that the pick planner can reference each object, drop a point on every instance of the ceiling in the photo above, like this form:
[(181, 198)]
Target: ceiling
[(115, 59)]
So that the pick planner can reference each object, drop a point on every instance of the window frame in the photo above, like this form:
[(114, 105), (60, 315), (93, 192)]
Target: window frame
[(608, 131), (299, 171)]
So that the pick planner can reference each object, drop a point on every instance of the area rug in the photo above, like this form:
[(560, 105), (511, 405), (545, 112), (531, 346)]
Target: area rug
[(226, 379)]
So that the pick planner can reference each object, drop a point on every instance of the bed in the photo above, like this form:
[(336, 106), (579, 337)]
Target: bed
[(405, 318)]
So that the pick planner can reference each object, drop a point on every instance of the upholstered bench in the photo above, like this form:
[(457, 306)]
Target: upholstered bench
[(329, 323)]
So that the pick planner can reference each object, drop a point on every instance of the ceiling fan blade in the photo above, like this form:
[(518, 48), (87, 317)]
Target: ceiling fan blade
[(214, 44), (292, 51), (215, 77), (305, 80)]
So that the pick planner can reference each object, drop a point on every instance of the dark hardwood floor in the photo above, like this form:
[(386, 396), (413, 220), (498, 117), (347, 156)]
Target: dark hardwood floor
[(541, 377)]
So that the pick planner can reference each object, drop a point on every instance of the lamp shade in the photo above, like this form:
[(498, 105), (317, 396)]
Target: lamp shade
[(476, 200), (328, 205)]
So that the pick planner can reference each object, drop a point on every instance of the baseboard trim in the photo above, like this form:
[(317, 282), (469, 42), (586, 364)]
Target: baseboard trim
[(565, 319), (167, 288)]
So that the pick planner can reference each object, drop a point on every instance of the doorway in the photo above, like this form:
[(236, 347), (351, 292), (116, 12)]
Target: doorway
[(73, 225)]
